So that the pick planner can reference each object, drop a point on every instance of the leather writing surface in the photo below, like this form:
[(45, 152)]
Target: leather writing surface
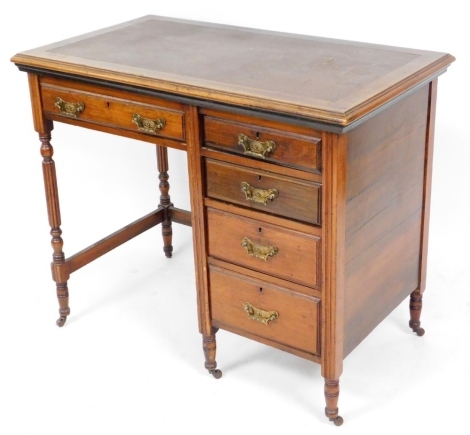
[(292, 66)]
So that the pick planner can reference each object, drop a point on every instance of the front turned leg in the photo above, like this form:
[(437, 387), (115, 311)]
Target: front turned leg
[(331, 397), (416, 305), (165, 203), (209, 347), (59, 268)]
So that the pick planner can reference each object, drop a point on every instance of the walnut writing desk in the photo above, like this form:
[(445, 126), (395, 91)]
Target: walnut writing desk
[(309, 163)]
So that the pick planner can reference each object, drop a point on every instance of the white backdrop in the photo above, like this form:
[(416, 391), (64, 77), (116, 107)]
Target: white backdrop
[(129, 359)]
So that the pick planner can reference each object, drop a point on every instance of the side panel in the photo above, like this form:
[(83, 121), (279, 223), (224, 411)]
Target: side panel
[(384, 209)]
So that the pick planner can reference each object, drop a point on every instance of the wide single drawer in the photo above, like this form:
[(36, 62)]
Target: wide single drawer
[(98, 105), (265, 191), (265, 310), (270, 249), (278, 146)]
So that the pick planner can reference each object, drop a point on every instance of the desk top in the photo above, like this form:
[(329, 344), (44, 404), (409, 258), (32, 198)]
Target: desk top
[(327, 80)]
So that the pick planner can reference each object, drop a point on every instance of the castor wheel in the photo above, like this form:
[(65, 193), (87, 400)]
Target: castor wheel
[(216, 373), (61, 321), (420, 332), (338, 421)]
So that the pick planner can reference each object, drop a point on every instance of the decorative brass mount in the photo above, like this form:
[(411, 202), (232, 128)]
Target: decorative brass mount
[(259, 251), (255, 147), (260, 315), (69, 109), (150, 126), (255, 194)]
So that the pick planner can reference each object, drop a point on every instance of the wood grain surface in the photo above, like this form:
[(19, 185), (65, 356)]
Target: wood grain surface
[(386, 160)]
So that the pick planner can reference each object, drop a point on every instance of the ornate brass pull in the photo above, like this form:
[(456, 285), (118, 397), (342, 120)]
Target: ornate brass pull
[(259, 251), (258, 195), (255, 147), (148, 125), (260, 315), (69, 109)]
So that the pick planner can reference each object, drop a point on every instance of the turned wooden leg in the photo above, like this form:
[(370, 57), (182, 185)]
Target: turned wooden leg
[(331, 397), (416, 305), (59, 268), (165, 203), (209, 347)]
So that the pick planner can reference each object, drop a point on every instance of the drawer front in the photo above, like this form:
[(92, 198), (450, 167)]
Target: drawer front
[(265, 310), (266, 248), (277, 146), (113, 111), (276, 194)]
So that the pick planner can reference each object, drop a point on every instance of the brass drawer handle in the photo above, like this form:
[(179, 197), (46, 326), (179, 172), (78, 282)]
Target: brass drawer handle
[(255, 147), (260, 315), (148, 125), (69, 109), (258, 195), (259, 251)]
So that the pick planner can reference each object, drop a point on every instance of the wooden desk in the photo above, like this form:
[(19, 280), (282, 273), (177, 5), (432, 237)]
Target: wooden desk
[(309, 162)]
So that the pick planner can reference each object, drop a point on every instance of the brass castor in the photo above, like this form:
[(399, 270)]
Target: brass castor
[(216, 373), (338, 421), (61, 321), (420, 332)]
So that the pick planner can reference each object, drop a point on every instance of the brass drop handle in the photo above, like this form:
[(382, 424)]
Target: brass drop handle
[(255, 147), (260, 315), (258, 195), (69, 109), (150, 126), (259, 251)]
